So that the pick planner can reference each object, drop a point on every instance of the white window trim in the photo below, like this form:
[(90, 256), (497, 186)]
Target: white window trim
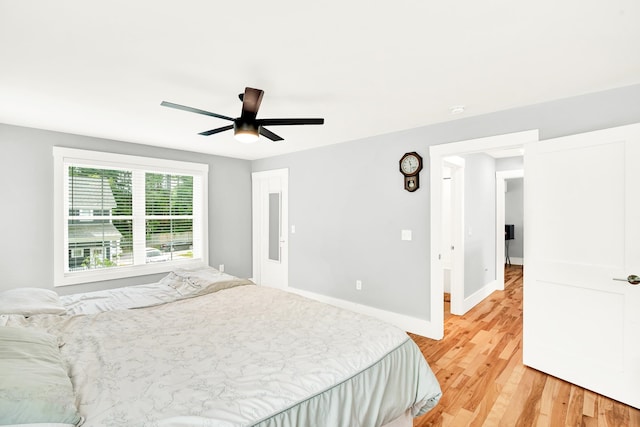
[(63, 155)]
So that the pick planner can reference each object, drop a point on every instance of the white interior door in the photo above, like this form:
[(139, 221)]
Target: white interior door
[(447, 211), (453, 250), (582, 208), (270, 228)]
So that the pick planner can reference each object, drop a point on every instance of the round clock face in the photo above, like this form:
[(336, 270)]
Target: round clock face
[(409, 164)]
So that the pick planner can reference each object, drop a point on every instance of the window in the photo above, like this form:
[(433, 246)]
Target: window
[(120, 216)]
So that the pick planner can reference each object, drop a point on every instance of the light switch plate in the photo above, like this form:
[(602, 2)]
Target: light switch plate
[(406, 235)]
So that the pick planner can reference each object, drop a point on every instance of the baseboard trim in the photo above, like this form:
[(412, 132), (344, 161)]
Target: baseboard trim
[(516, 260), (474, 299), (411, 324)]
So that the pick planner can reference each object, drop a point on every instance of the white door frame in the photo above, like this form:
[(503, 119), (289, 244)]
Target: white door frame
[(437, 153), (258, 211), (501, 177)]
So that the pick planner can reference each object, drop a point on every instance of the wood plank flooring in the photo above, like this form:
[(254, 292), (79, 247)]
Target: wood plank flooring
[(484, 383)]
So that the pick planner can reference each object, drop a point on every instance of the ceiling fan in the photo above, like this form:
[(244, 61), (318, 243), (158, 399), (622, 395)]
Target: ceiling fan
[(247, 127)]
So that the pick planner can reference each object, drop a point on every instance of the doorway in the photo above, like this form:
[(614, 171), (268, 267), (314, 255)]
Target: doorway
[(437, 155), (502, 179)]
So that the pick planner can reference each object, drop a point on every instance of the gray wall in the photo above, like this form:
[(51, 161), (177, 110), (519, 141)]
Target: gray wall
[(26, 173), (479, 222), (514, 214), (348, 203)]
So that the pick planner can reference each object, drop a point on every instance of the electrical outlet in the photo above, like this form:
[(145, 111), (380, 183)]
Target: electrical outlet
[(358, 285), (221, 268)]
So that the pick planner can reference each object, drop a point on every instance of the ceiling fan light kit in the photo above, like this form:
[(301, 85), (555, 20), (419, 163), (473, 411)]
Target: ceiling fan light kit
[(246, 132), (247, 128)]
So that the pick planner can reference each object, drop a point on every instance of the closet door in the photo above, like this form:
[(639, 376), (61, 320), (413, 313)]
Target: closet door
[(270, 228)]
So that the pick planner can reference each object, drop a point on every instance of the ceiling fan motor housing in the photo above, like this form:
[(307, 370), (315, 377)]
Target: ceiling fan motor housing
[(245, 126)]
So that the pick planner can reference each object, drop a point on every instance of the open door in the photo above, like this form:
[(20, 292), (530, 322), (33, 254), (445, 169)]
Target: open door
[(453, 251), (582, 244)]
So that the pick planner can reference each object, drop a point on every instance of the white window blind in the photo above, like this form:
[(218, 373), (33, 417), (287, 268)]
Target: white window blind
[(99, 224), (169, 213), (126, 216)]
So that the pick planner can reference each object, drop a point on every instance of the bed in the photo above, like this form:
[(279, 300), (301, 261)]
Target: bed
[(203, 348)]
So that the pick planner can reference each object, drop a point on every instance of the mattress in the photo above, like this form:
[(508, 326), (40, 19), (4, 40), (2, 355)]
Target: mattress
[(231, 353)]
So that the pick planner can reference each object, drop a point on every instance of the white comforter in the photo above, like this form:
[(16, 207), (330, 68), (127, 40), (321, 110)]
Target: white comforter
[(246, 355)]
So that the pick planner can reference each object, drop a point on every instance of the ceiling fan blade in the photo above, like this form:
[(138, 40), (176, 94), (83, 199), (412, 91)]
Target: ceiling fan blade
[(272, 136), (251, 102), (194, 110), (286, 122), (218, 130)]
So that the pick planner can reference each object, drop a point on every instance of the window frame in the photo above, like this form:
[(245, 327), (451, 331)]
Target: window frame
[(64, 157)]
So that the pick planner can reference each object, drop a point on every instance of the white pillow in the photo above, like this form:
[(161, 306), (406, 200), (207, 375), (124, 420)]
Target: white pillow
[(200, 281), (34, 384), (203, 276), (30, 301)]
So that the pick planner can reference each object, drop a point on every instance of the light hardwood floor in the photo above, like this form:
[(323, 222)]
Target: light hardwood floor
[(484, 383)]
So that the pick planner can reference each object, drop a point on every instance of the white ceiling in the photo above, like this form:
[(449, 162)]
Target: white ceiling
[(369, 67)]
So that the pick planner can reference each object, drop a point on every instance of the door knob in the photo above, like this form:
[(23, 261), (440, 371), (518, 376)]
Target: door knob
[(632, 278)]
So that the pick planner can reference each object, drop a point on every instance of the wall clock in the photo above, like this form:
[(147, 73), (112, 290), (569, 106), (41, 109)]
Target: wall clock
[(410, 166)]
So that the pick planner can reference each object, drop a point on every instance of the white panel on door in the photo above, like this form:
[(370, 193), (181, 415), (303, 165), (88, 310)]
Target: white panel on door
[(585, 194)]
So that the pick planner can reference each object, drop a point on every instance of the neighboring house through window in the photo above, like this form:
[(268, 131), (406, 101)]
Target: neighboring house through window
[(92, 241), (119, 216)]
